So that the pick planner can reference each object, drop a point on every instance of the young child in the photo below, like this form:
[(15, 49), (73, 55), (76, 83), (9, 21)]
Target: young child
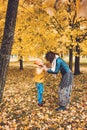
[(39, 79)]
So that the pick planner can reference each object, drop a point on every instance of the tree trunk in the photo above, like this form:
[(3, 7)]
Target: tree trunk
[(70, 58), (77, 61), (21, 63), (7, 42)]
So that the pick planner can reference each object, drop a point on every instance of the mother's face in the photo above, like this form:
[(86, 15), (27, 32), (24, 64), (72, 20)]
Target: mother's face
[(50, 56)]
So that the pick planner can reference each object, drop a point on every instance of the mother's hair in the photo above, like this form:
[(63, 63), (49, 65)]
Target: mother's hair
[(50, 56)]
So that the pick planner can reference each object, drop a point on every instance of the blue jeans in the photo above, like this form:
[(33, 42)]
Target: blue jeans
[(40, 89)]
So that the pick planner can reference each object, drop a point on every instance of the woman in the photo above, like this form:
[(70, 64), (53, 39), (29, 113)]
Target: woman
[(65, 85)]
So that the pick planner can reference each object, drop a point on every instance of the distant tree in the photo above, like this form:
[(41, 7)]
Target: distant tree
[(7, 42), (77, 61), (79, 40)]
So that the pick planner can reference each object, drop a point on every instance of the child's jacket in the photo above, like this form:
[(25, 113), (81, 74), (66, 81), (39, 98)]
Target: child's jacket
[(39, 76)]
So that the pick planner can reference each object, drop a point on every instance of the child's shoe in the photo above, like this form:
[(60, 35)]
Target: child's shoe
[(40, 104)]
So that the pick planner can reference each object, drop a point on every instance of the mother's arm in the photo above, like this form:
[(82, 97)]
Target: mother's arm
[(57, 67)]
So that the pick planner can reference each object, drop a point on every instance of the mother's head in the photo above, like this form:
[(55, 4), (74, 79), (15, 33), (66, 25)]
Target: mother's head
[(50, 56)]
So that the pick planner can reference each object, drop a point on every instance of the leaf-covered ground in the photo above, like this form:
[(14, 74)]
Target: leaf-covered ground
[(19, 109)]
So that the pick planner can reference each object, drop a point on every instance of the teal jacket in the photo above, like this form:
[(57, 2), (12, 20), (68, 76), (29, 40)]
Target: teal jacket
[(60, 66)]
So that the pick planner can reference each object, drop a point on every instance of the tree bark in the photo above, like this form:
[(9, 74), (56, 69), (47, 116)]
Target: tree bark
[(7, 42), (21, 63), (77, 61), (70, 58)]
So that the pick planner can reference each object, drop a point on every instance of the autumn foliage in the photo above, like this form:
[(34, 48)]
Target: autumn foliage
[(19, 109), (39, 25), (40, 28)]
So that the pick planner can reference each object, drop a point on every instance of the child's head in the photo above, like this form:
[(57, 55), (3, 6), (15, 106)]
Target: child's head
[(39, 63)]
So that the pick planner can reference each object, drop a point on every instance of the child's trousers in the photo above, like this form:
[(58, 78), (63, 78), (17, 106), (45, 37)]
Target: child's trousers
[(40, 89)]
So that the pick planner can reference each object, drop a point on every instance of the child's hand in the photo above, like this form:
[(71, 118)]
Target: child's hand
[(45, 68)]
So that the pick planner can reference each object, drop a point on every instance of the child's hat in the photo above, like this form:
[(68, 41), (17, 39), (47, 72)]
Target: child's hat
[(38, 62)]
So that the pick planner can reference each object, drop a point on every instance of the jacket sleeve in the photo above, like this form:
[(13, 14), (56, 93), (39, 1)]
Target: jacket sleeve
[(57, 68)]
